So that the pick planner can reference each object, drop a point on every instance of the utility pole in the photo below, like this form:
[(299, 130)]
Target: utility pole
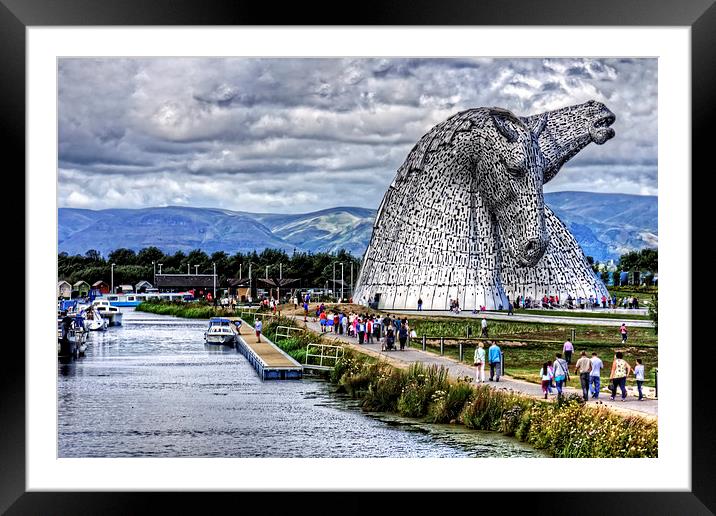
[(240, 270), (196, 270), (188, 269), (214, 264), (334, 278), (250, 281), (351, 279), (112, 288), (154, 266), (342, 282), (278, 287), (160, 268)]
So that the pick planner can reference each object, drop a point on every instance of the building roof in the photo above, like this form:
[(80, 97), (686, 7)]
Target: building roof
[(99, 283), (276, 282), (143, 283), (63, 281), (80, 282), (234, 282), (184, 280)]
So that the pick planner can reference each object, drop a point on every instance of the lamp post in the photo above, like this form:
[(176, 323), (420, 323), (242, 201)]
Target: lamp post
[(351, 279), (188, 269), (112, 287), (240, 270), (334, 278), (154, 277), (214, 264), (196, 270), (160, 268), (341, 282), (250, 283), (278, 287)]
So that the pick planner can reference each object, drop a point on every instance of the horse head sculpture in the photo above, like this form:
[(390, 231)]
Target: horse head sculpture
[(469, 199)]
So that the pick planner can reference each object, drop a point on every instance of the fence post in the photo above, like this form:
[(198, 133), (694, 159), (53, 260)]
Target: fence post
[(574, 335), (424, 339), (656, 382), (442, 345), (460, 351), (502, 363)]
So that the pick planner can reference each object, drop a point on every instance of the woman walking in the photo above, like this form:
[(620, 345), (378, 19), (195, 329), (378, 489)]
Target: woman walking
[(561, 373), (479, 362), (618, 375)]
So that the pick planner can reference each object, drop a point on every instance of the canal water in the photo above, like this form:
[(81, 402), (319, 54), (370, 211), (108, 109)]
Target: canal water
[(152, 388)]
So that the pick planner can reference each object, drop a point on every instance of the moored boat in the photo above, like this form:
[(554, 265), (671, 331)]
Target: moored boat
[(93, 321), (71, 336), (111, 314), (221, 331)]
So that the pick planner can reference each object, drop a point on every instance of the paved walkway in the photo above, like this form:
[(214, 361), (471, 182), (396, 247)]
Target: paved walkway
[(648, 407), (556, 319)]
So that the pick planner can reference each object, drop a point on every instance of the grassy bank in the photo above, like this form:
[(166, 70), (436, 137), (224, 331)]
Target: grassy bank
[(194, 310), (565, 429)]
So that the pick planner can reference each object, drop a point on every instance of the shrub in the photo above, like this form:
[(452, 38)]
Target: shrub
[(447, 405)]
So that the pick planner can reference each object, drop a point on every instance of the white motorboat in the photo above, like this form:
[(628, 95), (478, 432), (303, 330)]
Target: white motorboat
[(111, 314), (93, 321), (221, 331)]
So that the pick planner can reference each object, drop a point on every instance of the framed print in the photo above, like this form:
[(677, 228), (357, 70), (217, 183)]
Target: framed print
[(283, 129)]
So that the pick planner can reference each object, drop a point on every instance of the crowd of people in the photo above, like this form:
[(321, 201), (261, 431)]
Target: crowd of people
[(577, 302), (366, 328)]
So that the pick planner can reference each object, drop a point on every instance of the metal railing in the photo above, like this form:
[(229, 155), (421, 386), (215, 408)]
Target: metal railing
[(326, 352), (286, 331)]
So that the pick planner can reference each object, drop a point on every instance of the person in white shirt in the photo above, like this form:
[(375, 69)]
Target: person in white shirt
[(639, 375), (594, 375), (479, 362)]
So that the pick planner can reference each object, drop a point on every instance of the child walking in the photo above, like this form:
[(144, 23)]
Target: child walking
[(546, 375), (639, 374)]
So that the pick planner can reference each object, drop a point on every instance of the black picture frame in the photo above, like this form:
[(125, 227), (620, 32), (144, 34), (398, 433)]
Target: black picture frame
[(17, 15)]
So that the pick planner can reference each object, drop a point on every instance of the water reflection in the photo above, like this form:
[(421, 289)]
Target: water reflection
[(152, 388)]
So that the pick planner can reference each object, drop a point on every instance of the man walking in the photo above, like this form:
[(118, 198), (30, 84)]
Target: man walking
[(420, 304), (594, 378), (582, 368), (494, 355)]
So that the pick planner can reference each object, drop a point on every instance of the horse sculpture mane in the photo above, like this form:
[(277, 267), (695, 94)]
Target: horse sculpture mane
[(464, 217)]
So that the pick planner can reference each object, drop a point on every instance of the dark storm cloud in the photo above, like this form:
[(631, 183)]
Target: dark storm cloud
[(300, 134)]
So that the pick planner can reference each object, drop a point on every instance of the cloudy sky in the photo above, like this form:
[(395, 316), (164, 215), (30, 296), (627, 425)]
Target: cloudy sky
[(298, 135)]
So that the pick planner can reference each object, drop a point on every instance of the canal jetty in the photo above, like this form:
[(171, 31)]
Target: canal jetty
[(270, 362)]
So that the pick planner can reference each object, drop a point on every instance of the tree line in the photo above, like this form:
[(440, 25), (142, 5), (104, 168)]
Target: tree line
[(645, 260), (312, 269)]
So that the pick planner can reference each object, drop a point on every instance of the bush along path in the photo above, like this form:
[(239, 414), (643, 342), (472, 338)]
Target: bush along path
[(647, 408), (568, 428)]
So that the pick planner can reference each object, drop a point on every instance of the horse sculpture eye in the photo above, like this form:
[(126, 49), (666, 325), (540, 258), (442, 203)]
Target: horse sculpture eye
[(516, 173)]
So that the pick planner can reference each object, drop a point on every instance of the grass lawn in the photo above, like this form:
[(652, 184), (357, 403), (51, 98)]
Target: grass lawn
[(523, 361), (594, 314)]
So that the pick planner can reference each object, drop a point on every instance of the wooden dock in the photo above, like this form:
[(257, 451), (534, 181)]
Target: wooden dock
[(270, 362)]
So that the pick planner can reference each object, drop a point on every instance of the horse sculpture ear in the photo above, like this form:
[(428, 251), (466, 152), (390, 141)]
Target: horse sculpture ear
[(506, 123), (538, 124)]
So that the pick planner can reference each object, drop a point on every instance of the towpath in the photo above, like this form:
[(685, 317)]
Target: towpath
[(647, 408)]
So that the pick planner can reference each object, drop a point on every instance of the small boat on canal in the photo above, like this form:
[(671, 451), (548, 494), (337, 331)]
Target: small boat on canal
[(221, 331), (111, 314), (93, 321), (71, 336)]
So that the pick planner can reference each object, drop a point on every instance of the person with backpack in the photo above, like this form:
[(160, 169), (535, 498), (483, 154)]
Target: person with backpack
[(389, 339), (561, 373)]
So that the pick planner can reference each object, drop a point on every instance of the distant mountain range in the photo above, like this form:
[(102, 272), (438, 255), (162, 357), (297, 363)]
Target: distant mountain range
[(605, 225)]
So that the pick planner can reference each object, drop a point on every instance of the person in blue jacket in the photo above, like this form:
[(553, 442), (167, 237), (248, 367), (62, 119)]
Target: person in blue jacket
[(494, 357)]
